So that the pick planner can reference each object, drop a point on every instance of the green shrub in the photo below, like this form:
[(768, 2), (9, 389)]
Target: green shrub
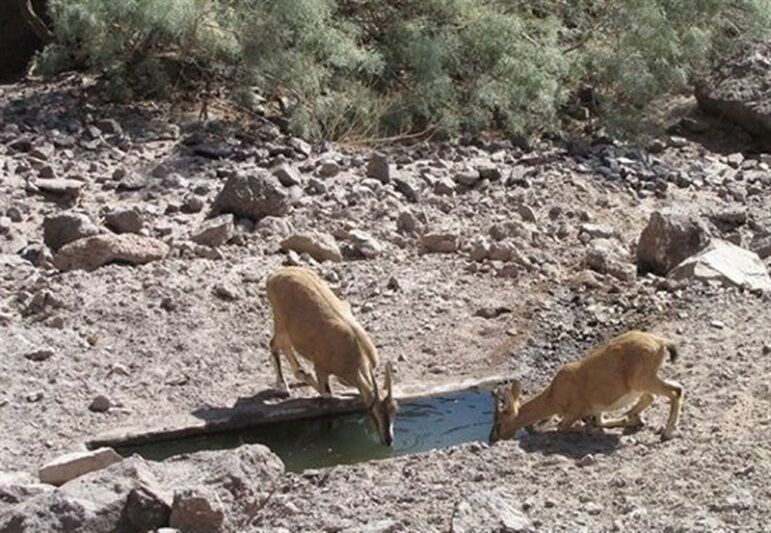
[(366, 68), (133, 42)]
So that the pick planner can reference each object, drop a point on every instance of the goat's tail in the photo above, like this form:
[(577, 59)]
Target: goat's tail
[(673, 352)]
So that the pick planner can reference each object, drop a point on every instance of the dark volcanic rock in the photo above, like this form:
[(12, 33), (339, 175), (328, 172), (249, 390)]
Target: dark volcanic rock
[(253, 196), (740, 90)]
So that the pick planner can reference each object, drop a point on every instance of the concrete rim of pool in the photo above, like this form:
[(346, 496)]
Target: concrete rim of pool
[(248, 414)]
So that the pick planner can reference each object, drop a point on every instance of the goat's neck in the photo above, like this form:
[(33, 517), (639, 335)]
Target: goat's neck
[(537, 408)]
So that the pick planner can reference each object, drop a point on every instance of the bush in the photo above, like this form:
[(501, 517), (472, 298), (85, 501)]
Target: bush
[(363, 68), (132, 43)]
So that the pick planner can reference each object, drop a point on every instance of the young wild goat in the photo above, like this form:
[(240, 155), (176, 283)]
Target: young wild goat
[(611, 377), (309, 320)]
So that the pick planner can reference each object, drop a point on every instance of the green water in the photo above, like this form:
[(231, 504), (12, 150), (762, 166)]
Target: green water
[(420, 425)]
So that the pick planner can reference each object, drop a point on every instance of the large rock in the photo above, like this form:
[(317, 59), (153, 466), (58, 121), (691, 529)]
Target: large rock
[(70, 466), (667, 240), (196, 510), (124, 497), (253, 196), (239, 476), (93, 252), (739, 90), (127, 496), (320, 246), (52, 511), (16, 487), (726, 263), (489, 511), (215, 232), (67, 227)]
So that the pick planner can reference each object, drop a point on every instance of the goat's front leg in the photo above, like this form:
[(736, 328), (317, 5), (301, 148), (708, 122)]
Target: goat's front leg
[(568, 424), (322, 378)]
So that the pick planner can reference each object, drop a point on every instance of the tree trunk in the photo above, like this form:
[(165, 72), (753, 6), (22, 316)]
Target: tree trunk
[(34, 21)]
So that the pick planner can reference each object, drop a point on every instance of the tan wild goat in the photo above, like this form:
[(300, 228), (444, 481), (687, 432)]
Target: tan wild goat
[(612, 376), (309, 320)]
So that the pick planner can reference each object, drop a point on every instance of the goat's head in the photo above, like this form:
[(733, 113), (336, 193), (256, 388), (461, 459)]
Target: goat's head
[(506, 411), (382, 409)]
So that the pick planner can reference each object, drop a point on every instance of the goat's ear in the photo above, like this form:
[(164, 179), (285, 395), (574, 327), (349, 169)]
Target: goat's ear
[(389, 380), (515, 390), (513, 395)]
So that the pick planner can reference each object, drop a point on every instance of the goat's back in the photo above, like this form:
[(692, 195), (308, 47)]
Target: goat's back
[(615, 368), (318, 324)]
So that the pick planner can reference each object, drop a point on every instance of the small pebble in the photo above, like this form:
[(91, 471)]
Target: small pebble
[(100, 404)]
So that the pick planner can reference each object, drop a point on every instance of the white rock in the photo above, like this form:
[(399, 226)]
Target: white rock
[(365, 243), (320, 246), (72, 465), (727, 263)]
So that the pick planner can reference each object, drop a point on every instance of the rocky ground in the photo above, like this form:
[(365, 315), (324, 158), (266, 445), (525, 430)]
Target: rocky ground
[(134, 247)]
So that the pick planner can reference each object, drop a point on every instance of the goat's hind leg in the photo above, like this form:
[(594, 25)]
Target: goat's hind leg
[(280, 343), (632, 417), (275, 358)]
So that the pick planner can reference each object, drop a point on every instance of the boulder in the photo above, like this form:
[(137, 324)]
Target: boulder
[(254, 196), (489, 511), (320, 246), (726, 263), (72, 465), (238, 475), (126, 495), (16, 487), (667, 240), (125, 221), (196, 510), (67, 227), (215, 232), (92, 252), (52, 511), (738, 90)]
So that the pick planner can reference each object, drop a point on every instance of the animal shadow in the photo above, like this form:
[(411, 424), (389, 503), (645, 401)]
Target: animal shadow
[(573, 445)]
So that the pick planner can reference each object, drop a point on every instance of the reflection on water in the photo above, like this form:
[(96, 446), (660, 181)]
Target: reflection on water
[(421, 425)]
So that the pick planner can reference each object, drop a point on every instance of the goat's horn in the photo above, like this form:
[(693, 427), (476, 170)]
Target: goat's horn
[(375, 388), (388, 384)]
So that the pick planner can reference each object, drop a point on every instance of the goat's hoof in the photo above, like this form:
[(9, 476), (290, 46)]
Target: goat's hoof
[(280, 391), (666, 435)]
